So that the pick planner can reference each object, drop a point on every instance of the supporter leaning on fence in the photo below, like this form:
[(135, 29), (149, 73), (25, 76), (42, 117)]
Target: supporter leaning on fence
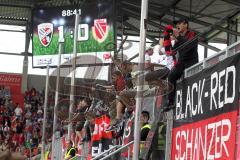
[(126, 69), (125, 99), (82, 127)]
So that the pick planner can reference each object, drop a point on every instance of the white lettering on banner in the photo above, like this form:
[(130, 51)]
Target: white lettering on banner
[(217, 154), (211, 126), (96, 150), (9, 79), (177, 144), (214, 77), (200, 91), (221, 88), (183, 134), (230, 99), (188, 103), (179, 105), (217, 86), (202, 145), (227, 136), (190, 143), (195, 147), (193, 109)]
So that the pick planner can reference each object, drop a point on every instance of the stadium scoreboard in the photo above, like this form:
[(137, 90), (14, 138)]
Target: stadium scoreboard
[(54, 25)]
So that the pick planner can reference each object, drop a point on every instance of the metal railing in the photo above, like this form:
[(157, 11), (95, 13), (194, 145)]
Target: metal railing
[(119, 150), (105, 152), (214, 59)]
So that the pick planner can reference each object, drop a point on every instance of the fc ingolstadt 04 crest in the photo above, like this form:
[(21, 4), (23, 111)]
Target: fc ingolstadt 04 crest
[(45, 32)]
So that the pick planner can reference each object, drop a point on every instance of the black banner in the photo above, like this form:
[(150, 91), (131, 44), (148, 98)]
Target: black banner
[(205, 119), (209, 93)]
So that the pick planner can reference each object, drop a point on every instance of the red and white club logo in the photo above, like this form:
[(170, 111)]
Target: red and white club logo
[(45, 32), (100, 30)]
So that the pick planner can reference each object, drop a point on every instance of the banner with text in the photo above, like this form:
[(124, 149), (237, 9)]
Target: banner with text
[(101, 139), (205, 119), (11, 87), (128, 135)]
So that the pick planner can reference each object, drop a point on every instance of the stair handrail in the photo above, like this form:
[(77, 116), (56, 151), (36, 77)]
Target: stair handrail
[(118, 150), (102, 154)]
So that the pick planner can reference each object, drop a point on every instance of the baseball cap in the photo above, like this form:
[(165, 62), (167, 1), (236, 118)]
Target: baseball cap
[(181, 20)]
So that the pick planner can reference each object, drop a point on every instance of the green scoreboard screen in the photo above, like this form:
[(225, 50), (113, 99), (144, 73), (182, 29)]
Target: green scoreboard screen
[(95, 39)]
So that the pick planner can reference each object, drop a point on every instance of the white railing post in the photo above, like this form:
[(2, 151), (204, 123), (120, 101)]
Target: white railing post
[(140, 80)]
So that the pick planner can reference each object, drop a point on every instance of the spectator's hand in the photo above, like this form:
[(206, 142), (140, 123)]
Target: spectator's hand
[(161, 41), (161, 51)]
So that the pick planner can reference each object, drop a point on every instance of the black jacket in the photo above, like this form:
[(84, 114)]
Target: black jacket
[(187, 47)]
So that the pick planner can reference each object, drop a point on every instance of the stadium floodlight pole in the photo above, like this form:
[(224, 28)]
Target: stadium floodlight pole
[(140, 79), (73, 74), (60, 50), (45, 114)]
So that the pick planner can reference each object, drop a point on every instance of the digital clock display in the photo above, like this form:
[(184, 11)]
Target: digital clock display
[(52, 25), (70, 12)]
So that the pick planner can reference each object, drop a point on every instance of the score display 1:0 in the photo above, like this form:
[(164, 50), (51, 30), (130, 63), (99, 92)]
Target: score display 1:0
[(83, 33)]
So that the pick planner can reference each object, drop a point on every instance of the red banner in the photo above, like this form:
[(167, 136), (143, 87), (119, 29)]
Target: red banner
[(238, 133), (13, 82), (128, 135), (213, 138), (101, 140)]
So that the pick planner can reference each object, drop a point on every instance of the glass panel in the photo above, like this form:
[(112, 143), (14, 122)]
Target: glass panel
[(12, 42), (12, 27), (11, 63)]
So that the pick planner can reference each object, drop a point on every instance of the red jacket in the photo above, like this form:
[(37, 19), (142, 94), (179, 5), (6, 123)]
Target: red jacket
[(120, 83)]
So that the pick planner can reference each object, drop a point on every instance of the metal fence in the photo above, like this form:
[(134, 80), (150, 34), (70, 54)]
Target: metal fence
[(212, 60)]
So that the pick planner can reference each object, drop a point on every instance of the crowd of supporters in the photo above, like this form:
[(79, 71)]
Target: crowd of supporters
[(21, 126)]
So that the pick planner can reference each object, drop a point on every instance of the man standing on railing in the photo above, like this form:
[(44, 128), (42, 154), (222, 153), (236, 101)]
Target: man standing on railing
[(186, 47)]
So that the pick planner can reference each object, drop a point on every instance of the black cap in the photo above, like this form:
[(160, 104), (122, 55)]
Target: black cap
[(181, 20)]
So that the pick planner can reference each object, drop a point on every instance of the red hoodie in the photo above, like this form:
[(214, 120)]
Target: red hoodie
[(120, 83)]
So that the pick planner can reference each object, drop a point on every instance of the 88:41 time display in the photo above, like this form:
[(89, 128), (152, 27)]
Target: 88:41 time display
[(70, 12)]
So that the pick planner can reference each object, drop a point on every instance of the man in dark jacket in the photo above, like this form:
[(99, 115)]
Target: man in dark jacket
[(186, 47)]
